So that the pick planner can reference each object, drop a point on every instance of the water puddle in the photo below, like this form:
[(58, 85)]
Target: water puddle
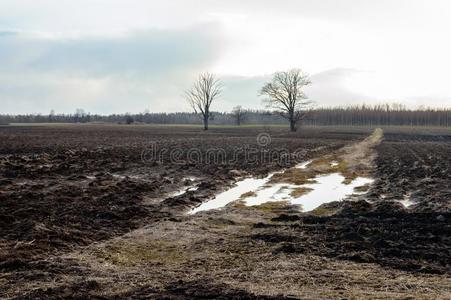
[(189, 188), (303, 165), (334, 164), (309, 185), (406, 201), (256, 191), (327, 188), (183, 191), (232, 194)]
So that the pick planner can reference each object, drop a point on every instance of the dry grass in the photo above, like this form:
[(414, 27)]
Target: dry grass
[(196, 249), (298, 192), (356, 160), (294, 176), (272, 206), (124, 253), (324, 211), (247, 195)]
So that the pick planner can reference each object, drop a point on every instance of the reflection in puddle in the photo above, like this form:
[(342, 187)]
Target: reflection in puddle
[(178, 193), (334, 164), (303, 165), (189, 188), (183, 191), (406, 201), (327, 188), (232, 194)]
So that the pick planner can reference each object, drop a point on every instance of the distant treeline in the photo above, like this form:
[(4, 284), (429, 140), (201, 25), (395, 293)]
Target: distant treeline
[(218, 118), (364, 115), (381, 115)]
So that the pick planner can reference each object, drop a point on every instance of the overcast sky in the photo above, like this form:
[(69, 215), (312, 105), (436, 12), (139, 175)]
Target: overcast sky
[(115, 56)]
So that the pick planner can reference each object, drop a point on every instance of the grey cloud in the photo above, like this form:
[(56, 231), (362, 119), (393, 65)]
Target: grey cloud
[(103, 74), (147, 52)]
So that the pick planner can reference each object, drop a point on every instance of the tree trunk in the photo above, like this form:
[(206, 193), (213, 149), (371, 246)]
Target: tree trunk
[(292, 121), (206, 122), (292, 125)]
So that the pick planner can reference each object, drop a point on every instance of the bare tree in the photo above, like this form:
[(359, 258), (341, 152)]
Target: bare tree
[(129, 119), (51, 115), (204, 91), (355, 115), (238, 114), (79, 115), (285, 94)]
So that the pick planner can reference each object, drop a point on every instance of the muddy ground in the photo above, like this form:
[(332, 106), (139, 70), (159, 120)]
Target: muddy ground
[(88, 211)]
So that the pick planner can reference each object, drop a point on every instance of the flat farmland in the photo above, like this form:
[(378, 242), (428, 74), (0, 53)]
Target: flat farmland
[(103, 211)]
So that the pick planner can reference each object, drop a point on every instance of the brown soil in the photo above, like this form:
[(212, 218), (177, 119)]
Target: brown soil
[(82, 216)]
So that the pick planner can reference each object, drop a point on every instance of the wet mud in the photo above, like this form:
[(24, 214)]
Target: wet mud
[(83, 216)]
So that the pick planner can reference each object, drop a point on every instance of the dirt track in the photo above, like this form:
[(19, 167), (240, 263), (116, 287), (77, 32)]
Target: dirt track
[(69, 194)]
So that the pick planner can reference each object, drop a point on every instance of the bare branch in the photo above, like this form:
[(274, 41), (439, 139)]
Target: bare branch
[(203, 92), (285, 93), (239, 114)]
